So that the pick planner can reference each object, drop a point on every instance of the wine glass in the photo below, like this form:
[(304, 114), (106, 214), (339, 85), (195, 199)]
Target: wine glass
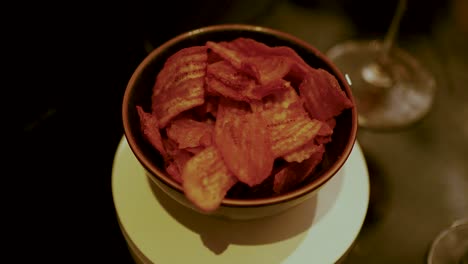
[(390, 86), (450, 245)]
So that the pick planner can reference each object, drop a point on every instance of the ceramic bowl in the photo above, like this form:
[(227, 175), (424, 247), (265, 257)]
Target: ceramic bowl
[(139, 90)]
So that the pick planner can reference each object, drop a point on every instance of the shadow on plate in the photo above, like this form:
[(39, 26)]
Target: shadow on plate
[(218, 233)]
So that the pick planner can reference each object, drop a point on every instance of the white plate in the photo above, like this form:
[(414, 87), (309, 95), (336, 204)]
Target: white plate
[(159, 230)]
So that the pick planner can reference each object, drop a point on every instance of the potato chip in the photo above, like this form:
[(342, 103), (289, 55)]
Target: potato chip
[(223, 79), (295, 173), (304, 152), (290, 101), (229, 55), (248, 47), (150, 128), (262, 90), (206, 179), (255, 59), (180, 84), (213, 57), (282, 99), (289, 130), (323, 97), (269, 68), (289, 124), (235, 56), (188, 133), (244, 143), (241, 118), (177, 164), (324, 135)]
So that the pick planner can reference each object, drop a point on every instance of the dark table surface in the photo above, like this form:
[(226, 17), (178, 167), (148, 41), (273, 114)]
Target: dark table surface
[(71, 122)]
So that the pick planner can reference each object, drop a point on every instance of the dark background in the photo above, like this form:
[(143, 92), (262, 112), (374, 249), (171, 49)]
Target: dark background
[(72, 62)]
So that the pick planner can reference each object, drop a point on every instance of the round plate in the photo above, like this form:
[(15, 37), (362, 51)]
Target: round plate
[(159, 230)]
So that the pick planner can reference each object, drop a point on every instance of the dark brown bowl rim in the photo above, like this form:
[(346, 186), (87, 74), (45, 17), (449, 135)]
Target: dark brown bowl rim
[(154, 171)]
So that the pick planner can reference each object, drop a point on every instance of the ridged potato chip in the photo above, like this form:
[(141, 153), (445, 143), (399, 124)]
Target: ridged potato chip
[(206, 179), (180, 84), (241, 118), (244, 143)]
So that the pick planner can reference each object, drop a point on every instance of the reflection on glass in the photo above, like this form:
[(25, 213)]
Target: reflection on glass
[(391, 88), (451, 245)]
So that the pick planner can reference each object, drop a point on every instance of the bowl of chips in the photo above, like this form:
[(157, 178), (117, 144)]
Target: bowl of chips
[(239, 121)]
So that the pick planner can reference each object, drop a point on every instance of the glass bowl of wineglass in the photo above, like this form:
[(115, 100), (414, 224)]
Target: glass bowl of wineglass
[(450, 245), (391, 87)]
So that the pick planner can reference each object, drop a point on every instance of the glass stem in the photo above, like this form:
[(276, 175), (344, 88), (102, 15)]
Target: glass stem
[(390, 36)]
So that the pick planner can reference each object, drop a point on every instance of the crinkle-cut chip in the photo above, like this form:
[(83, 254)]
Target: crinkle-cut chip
[(269, 68), (281, 99), (255, 59), (306, 150), (246, 93), (233, 57), (180, 84), (150, 127), (223, 79), (300, 68), (249, 47), (244, 143), (302, 153), (289, 129), (324, 135), (323, 97), (295, 173), (264, 63), (223, 50), (215, 87), (246, 46), (206, 179), (213, 57), (181, 64), (189, 133), (177, 163), (179, 99), (261, 91)]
